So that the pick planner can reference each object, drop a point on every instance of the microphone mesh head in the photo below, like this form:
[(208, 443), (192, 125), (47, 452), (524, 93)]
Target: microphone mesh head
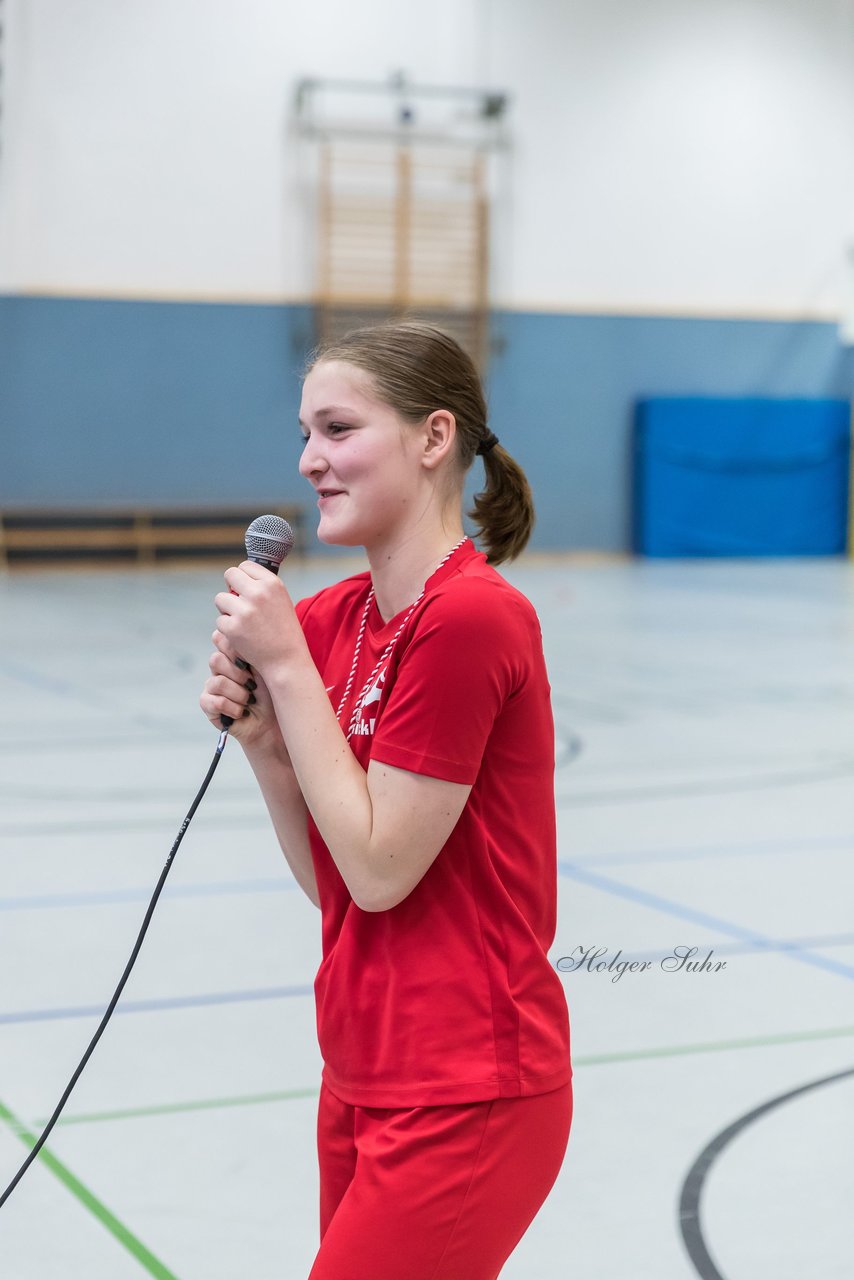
[(269, 538)]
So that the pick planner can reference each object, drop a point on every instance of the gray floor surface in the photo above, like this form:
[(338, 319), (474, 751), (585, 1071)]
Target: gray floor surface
[(705, 727)]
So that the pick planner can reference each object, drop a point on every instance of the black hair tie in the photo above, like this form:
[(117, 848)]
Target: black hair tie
[(488, 443)]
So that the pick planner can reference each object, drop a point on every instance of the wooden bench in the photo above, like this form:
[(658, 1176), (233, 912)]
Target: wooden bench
[(59, 537)]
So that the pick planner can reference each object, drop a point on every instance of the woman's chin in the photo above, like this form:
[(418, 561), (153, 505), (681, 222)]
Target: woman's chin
[(336, 537)]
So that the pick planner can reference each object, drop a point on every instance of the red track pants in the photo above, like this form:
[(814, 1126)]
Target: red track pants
[(433, 1193)]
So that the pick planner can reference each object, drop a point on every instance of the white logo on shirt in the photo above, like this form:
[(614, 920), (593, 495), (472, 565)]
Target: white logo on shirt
[(375, 692), (362, 726)]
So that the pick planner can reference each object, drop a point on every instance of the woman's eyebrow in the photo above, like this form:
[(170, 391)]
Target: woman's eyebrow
[(330, 411)]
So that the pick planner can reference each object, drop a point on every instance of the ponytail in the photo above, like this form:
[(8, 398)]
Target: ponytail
[(504, 510)]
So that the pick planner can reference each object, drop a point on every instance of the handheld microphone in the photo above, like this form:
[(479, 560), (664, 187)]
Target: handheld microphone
[(268, 540)]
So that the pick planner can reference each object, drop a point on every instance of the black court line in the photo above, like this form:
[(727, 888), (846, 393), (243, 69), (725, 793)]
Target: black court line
[(689, 1200)]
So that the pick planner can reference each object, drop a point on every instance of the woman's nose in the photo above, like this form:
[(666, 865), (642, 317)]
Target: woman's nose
[(311, 459)]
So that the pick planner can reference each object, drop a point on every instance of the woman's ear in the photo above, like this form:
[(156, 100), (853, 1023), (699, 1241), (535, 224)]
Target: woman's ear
[(440, 433)]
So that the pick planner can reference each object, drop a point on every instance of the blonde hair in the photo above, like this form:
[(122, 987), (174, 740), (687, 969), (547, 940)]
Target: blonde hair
[(417, 369)]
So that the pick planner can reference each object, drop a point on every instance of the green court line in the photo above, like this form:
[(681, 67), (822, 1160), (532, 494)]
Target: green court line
[(156, 1268), (174, 1108), (144, 1256), (714, 1046), (580, 1060)]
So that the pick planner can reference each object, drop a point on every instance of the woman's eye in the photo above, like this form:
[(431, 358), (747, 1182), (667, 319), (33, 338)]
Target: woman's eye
[(334, 429)]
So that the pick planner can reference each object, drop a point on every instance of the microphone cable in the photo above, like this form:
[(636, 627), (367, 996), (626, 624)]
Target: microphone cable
[(118, 991), (268, 540)]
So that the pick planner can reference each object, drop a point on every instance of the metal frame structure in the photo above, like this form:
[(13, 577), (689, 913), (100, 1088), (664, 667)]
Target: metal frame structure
[(402, 203)]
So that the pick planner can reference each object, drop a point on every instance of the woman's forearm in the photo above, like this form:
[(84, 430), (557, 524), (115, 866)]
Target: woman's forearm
[(383, 828), (329, 777), (288, 812)]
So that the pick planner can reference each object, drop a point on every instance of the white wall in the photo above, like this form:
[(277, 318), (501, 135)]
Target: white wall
[(147, 141), (681, 154), (685, 156)]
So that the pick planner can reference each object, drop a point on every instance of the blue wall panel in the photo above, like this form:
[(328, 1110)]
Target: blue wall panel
[(180, 402), (718, 476), (120, 401), (563, 393)]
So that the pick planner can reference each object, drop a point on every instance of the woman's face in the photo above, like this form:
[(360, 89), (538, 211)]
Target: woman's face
[(361, 458)]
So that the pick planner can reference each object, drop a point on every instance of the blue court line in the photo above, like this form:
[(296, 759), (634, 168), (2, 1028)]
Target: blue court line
[(282, 993), (60, 688), (755, 941), (725, 951), (110, 897), (155, 1006), (38, 680)]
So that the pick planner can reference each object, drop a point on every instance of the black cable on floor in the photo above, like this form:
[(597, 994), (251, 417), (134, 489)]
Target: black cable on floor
[(118, 991)]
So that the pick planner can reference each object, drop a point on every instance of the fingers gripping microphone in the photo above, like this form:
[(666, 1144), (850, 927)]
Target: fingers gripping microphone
[(268, 540)]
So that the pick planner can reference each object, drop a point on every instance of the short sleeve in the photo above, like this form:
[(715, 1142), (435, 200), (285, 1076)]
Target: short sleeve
[(466, 656), (322, 616)]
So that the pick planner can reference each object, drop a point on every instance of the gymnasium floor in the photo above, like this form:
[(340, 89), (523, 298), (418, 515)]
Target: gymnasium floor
[(705, 750)]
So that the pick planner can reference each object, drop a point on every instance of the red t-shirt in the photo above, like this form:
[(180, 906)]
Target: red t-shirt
[(449, 996)]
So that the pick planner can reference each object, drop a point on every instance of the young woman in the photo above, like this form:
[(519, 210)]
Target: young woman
[(399, 726)]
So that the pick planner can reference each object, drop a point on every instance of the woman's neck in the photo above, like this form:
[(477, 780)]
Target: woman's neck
[(399, 570)]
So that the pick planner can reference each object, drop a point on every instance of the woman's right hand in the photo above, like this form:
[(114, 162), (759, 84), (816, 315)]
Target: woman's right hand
[(244, 697)]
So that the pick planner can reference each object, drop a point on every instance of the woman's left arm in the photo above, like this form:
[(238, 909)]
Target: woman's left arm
[(383, 828)]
